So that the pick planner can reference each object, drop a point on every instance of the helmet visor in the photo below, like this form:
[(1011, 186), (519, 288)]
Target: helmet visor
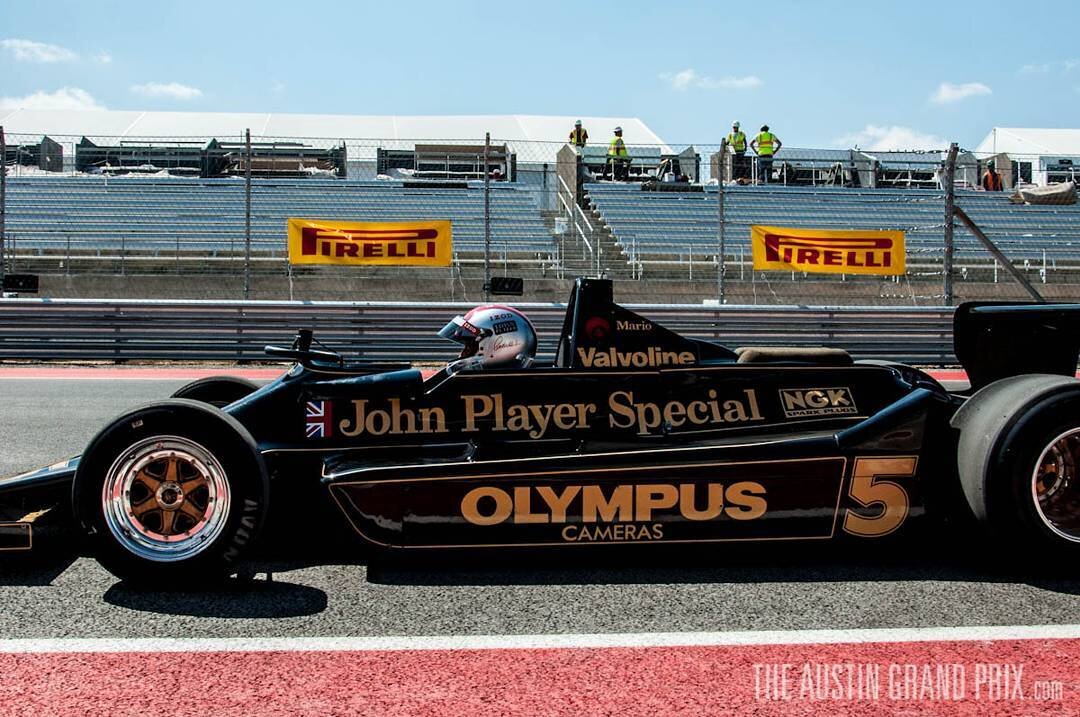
[(462, 331)]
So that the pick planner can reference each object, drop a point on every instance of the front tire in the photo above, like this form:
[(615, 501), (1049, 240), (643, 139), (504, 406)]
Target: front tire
[(217, 391), (171, 494)]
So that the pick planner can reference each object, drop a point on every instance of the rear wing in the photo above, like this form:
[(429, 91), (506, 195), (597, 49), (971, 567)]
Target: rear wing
[(995, 340), (598, 333)]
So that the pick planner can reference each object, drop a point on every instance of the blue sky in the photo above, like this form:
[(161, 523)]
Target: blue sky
[(819, 73)]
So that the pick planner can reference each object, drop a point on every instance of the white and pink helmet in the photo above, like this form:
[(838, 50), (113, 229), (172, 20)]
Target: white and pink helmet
[(493, 336)]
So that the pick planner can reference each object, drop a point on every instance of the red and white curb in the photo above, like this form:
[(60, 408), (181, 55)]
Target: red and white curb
[(969, 670)]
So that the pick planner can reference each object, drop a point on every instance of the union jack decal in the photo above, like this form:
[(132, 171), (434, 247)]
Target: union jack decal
[(318, 419)]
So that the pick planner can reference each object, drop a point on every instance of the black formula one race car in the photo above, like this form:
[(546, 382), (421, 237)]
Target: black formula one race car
[(633, 435)]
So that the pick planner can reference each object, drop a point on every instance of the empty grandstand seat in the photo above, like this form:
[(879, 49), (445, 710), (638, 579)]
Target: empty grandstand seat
[(644, 161), (170, 215), (667, 225), (456, 161)]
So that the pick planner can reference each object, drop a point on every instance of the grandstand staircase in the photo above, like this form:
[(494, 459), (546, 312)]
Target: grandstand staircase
[(579, 260)]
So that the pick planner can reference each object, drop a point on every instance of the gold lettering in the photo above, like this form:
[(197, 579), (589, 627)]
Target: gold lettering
[(594, 503), (565, 414), (476, 407), (378, 422), (470, 506), (650, 497), (625, 411), (542, 414), (586, 356), (519, 418), (396, 414), (712, 509), (523, 507), (734, 411), (746, 500), (675, 413), (558, 503), (436, 416), (355, 425), (751, 399)]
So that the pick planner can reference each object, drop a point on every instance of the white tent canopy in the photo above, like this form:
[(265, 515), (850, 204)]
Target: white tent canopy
[(1018, 141), (204, 125)]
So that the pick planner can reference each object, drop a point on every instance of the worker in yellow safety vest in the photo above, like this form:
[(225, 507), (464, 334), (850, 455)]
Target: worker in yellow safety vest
[(578, 136), (736, 141), (618, 156), (765, 146)]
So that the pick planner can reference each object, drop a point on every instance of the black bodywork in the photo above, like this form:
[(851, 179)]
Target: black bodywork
[(634, 434)]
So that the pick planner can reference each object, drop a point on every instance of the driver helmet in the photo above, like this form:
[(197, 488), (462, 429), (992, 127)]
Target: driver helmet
[(493, 336)]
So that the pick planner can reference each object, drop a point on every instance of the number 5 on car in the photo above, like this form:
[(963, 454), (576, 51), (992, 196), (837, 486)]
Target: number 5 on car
[(871, 490)]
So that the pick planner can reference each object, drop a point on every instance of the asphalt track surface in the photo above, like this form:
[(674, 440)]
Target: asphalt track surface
[(306, 596)]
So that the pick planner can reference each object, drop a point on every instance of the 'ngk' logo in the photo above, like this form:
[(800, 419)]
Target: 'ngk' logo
[(807, 402), (366, 243), (867, 252)]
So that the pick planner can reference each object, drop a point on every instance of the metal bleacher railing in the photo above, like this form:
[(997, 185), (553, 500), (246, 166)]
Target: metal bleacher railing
[(108, 214)]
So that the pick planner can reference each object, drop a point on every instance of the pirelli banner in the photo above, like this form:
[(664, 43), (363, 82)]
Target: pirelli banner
[(828, 251), (313, 241)]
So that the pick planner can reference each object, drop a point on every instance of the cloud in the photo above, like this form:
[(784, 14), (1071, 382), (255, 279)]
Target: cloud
[(1041, 68), (103, 58), (1036, 69), (172, 90), (685, 79), (947, 92), (875, 138), (65, 98), (30, 51), (277, 87)]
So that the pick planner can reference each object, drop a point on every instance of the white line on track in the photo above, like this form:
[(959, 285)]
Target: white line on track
[(564, 641)]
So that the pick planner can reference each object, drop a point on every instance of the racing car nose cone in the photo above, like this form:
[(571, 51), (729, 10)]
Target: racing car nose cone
[(169, 495)]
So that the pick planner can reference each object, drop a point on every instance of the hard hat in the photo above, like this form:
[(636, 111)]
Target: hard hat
[(764, 128), (618, 129), (578, 123), (990, 164), (735, 124)]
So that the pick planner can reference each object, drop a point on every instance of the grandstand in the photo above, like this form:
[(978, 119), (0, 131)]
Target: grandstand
[(664, 226), (165, 216), (107, 197)]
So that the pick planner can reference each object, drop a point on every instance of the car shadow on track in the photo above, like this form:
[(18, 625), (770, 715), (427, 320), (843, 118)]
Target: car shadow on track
[(771, 564), (236, 599), (267, 596), (38, 569)]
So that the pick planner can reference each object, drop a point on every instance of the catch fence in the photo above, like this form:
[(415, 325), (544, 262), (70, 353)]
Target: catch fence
[(179, 217)]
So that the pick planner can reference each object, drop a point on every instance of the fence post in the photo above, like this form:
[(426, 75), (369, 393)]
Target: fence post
[(721, 265), (3, 201), (950, 206), (487, 219), (247, 213)]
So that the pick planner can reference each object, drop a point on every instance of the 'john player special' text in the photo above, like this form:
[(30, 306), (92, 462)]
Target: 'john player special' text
[(493, 412)]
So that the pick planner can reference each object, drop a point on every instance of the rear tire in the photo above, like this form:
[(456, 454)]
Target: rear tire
[(171, 495), (1035, 488), (1019, 464)]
